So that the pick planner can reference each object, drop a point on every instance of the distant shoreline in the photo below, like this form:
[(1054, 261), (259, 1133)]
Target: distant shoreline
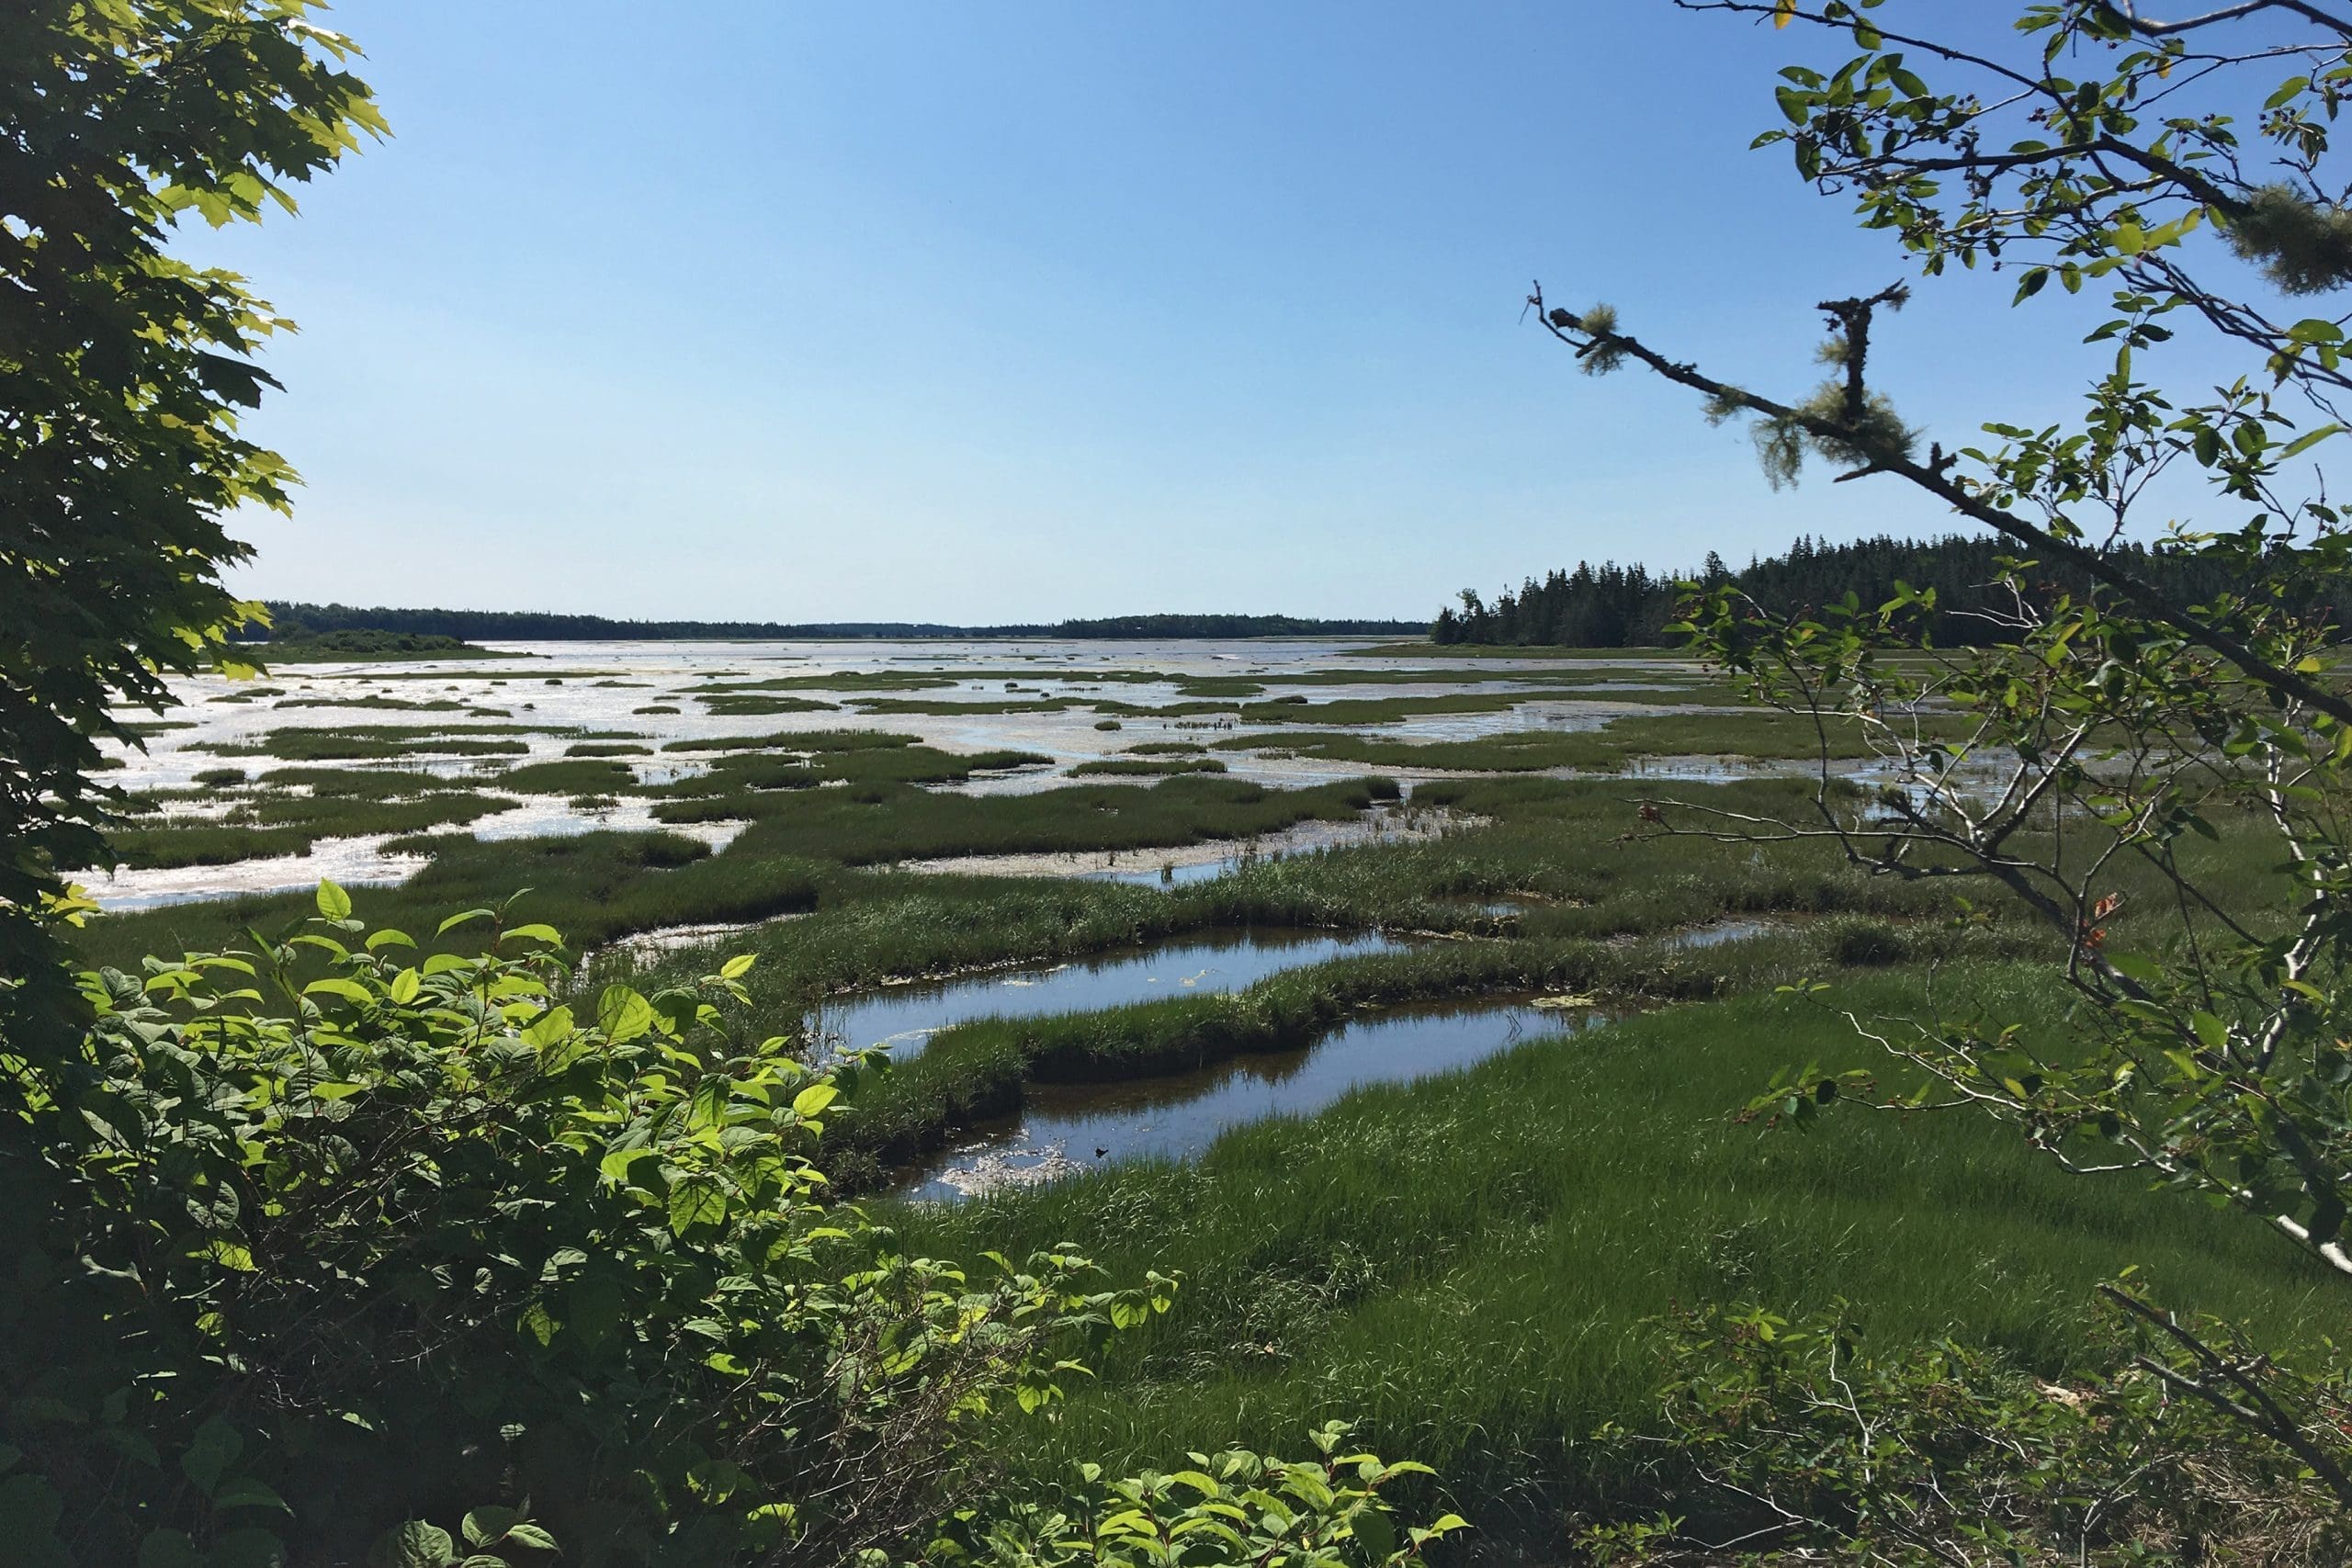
[(294, 622)]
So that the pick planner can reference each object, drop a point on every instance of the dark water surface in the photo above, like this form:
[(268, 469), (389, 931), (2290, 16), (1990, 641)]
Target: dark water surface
[(905, 1017), (1064, 1128)]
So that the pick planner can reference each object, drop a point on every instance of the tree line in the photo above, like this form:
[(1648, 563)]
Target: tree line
[(294, 621), (1610, 605)]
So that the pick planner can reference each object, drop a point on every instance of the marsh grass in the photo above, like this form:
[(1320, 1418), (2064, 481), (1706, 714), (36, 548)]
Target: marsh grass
[(266, 826), (884, 707), (363, 742), (570, 776), (1747, 733), (808, 741), (839, 681), (1390, 710), (592, 887), (879, 822), (752, 705), (1470, 1265), (437, 704), (1146, 767), (980, 1069)]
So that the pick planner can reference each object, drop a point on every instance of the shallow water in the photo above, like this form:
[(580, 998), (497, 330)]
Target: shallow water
[(905, 1018), (576, 690), (1066, 1128)]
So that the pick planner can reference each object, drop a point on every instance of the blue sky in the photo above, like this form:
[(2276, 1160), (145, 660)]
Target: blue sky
[(977, 313)]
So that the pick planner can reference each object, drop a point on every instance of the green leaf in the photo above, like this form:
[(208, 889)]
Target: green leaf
[(812, 1101), (334, 902), (623, 1014), (462, 918), (414, 1544), (616, 1163), (550, 1028), (210, 1451), (335, 986), (738, 966), (526, 1534), (485, 1525), (548, 934), (249, 1491), (2306, 441), (404, 986), (698, 1199)]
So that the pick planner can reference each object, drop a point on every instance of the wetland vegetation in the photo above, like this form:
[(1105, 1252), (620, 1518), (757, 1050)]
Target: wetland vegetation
[(1871, 1086)]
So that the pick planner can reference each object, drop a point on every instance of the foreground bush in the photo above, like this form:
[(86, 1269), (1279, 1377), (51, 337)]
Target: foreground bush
[(1773, 1437), (320, 1255)]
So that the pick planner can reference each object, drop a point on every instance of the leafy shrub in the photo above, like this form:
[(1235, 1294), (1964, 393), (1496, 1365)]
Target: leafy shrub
[(316, 1249), (1230, 1508), (1796, 1438)]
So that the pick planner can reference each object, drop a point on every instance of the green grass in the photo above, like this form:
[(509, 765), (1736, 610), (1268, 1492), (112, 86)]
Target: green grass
[(592, 886), (1760, 735), (1390, 710), (361, 742), (438, 705), (980, 1069), (1466, 1266), (794, 740), (839, 681), (883, 706), (753, 704), (740, 782), (269, 826), (878, 823), (608, 749), (1564, 842), (1682, 675), (358, 784), (571, 776), (1147, 766)]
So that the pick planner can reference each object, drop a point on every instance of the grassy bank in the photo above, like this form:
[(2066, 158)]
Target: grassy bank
[(1467, 1265), (977, 1070)]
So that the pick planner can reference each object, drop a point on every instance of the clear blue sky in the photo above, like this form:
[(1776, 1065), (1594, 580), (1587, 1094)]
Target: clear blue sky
[(985, 312)]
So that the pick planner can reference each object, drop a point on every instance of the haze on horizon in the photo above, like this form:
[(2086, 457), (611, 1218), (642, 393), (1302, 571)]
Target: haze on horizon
[(833, 313)]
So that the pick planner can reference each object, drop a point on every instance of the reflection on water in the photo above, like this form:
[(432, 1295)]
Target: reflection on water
[(1722, 932), (1065, 1128), (905, 1018)]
